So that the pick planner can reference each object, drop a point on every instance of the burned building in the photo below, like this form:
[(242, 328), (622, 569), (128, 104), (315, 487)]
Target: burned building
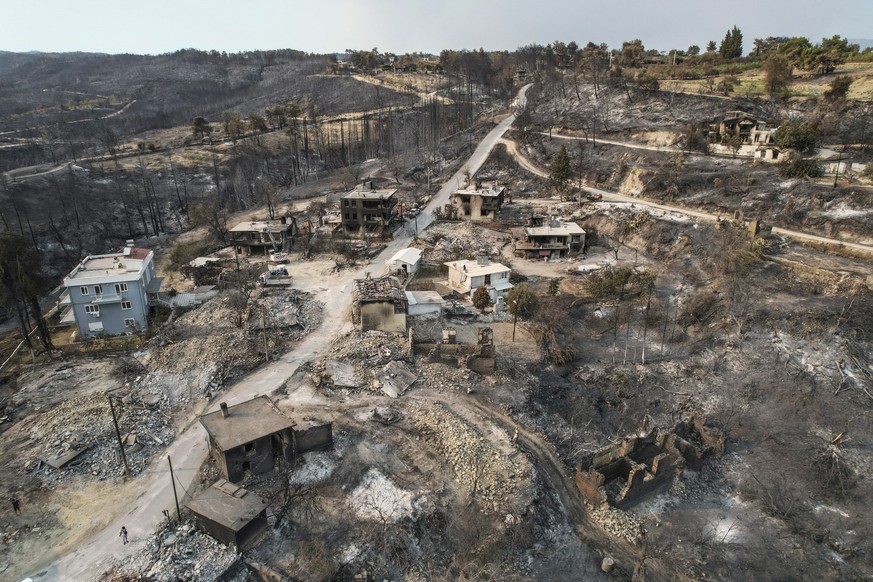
[(626, 473), (366, 209), (264, 236), (379, 304), (230, 514), (249, 436), (253, 435), (479, 203)]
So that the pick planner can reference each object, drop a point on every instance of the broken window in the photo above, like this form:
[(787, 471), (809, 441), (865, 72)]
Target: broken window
[(126, 305), (249, 447), (129, 322), (98, 289)]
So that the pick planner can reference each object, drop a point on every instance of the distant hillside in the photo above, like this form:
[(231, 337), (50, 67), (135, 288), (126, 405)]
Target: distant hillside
[(40, 88)]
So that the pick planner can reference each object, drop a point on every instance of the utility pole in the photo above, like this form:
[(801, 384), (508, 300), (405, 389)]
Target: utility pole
[(514, 318), (837, 170), (264, 325), (118, 435), (175, 495)]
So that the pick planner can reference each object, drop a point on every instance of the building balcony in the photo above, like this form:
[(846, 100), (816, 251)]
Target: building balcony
[(64, 299), (105, 298), (525, 245), (67, 316)]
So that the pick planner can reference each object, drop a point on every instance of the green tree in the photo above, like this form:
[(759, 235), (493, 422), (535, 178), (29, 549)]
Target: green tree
[(481, 298), (732, 45), (521, 301), (710, 46), (727, 84), (839, 89), (201, 127), (798, 135), (561, 171), (22, 283), (777, 75)]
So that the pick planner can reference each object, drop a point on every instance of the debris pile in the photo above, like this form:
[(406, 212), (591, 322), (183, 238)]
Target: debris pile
[(180, 553), (352, 357), (292, 313), (499, 477), (78, 436)]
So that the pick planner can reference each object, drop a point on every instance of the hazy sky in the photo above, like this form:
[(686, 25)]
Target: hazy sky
[(157, 26)]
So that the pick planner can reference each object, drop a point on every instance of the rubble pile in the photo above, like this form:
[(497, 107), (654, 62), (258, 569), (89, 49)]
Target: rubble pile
[(500, 481), (292, 313), (617, 522), (201, 350), (178, 553), (452, 240), (84, 426), (354, 355)]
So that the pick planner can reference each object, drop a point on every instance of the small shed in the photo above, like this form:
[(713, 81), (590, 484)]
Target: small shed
[(230, 514), (424, 303), (405, 260)]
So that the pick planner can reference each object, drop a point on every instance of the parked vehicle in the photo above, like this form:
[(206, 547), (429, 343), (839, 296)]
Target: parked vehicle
[(279, 257), (278, 277)]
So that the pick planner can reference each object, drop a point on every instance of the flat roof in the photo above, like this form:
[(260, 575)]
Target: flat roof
[(123, 265), (474, 269), (408, 255), (416, 297), (559, 228), (370, 194), (246, 422), (491, 192), (260, 226), (227, 504)]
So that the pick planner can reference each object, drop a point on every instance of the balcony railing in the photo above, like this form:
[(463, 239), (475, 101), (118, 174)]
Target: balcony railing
[(106, 298)]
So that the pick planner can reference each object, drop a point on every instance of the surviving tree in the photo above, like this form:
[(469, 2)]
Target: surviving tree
[(798, 135), (777, 75), (732, 45), (561, 171)]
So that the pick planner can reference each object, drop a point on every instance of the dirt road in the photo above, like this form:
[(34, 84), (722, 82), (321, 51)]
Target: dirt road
[(864, 250), (189, 449)]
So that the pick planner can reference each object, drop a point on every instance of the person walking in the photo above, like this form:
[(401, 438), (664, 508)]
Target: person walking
[(123, 534), (16, 505)]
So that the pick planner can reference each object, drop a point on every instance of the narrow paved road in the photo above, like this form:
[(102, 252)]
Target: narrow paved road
[(189, 449), (859, 249)]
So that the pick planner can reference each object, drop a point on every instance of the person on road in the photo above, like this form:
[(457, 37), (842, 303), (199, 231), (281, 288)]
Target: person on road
[(123, 534), (16, 505)]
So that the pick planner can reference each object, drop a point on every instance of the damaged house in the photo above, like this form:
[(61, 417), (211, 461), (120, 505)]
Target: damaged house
[(545, 238), (253, 435), (479, 203), (379, 304), (230, 514), (366, 209), (640, 466), (264, 236)]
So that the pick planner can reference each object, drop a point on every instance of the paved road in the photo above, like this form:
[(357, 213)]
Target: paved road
[(189, 449)]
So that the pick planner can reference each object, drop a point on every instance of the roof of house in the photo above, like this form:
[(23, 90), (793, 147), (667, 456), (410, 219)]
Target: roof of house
[(370, 194), (490, 192), (123, 265), (416, 297), (560, 228), (261, 226), (227, 504), (409, 255), (379, 289), (474, 269), (246, 422)]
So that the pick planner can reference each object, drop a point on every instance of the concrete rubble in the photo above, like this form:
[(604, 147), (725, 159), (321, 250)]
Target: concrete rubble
[(180, 553), (394, 378)]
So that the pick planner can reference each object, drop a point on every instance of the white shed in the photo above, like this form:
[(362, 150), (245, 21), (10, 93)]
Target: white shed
[(424, 302), (405, 260)]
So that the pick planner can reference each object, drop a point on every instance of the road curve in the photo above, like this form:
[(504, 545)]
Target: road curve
[(858, 249)]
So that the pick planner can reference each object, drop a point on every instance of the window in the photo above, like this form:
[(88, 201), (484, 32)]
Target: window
[(345, 202), (98, 289), (93, 310), (126, 305), (130, 322), (248, 447), (121, 287), (83, 290)]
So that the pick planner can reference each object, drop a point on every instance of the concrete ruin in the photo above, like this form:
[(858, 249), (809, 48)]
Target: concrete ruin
[(230, 514), (379, 304), (479, 357), (640, 466), (253, 435)]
